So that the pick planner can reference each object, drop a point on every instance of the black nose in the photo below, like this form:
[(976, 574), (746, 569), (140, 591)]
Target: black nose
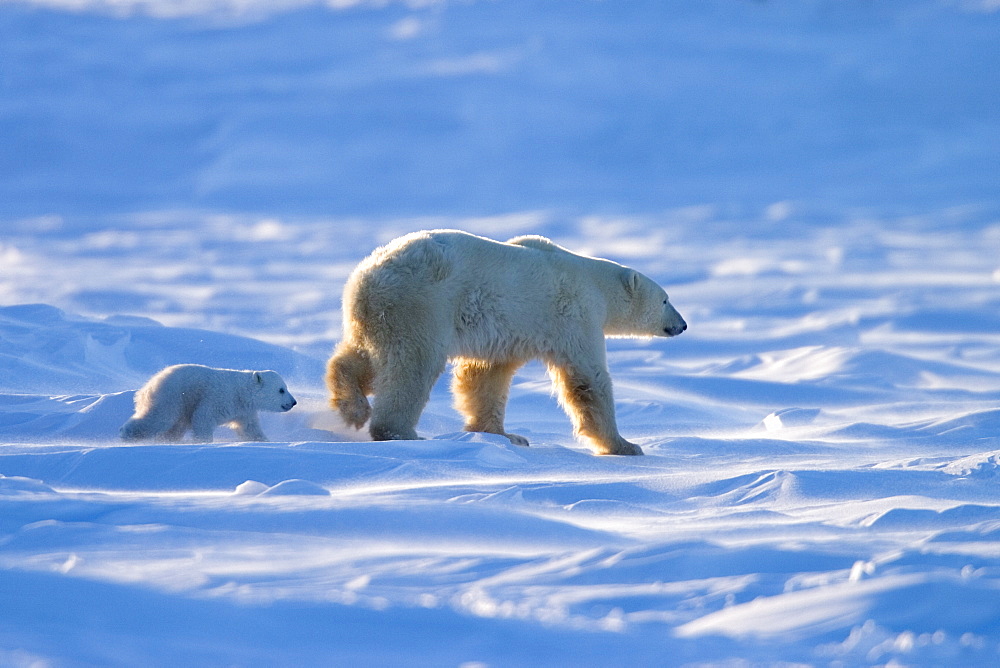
[(294, 402)]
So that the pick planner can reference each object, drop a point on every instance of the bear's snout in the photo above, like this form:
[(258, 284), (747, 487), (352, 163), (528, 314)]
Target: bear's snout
[(676, 329), (289, 406)]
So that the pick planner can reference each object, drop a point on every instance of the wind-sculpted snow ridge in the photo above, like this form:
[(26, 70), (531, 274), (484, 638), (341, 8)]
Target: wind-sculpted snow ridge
[(49, 351), (547, 544)]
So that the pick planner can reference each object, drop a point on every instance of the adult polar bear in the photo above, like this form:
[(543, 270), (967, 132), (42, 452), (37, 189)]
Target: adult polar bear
[(489, 307)]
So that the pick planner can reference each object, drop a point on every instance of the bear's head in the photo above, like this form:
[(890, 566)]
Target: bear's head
[(646, 309), (271, 393)]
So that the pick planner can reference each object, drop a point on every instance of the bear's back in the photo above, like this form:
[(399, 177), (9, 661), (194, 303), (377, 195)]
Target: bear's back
[(537, 242), (435, 255), (427, 255)]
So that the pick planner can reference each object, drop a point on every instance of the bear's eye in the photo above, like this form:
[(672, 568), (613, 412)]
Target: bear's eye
[(664, 301), (281, 391)]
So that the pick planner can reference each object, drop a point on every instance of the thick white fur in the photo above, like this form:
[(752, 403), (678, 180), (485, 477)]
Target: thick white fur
[(440, 295), (200, 398)]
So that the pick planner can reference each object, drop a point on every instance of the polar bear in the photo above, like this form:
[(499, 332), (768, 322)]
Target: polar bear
[(200, 398), (489, 307)]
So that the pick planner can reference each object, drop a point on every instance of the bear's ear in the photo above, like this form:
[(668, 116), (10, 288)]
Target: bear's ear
[(630, 278), (259, 378)]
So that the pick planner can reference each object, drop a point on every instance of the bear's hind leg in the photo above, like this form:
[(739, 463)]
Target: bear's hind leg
[(481, 389), (402, 389)]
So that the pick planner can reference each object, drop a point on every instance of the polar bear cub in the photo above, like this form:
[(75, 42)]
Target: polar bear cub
[(200, 398), (487, 306)]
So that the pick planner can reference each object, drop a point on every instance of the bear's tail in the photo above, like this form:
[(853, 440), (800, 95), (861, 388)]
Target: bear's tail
[(349, 376)]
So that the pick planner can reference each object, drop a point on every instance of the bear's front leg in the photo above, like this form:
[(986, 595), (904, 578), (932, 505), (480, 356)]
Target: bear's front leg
[(584, 390), (480, 389)]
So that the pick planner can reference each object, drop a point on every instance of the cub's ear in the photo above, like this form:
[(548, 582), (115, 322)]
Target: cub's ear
[(630, 278), (259, 378)]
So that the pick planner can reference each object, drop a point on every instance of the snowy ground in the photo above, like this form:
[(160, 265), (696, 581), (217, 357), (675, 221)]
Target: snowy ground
[(820, 485), (823, 444)]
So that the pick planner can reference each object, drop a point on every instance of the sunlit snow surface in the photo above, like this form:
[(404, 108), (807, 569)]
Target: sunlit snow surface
[(822, 445), (820, 480)]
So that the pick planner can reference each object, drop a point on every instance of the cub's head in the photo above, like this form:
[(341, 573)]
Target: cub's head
[(271, 392), (645, 310)]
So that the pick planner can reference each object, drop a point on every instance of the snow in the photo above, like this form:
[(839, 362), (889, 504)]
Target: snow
[(813, 182)]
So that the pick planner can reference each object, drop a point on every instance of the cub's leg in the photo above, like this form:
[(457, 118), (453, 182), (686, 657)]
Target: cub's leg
[(176, 432), (154, 419), (203, 424), (481, 389), (249, 429), (584, 390)]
